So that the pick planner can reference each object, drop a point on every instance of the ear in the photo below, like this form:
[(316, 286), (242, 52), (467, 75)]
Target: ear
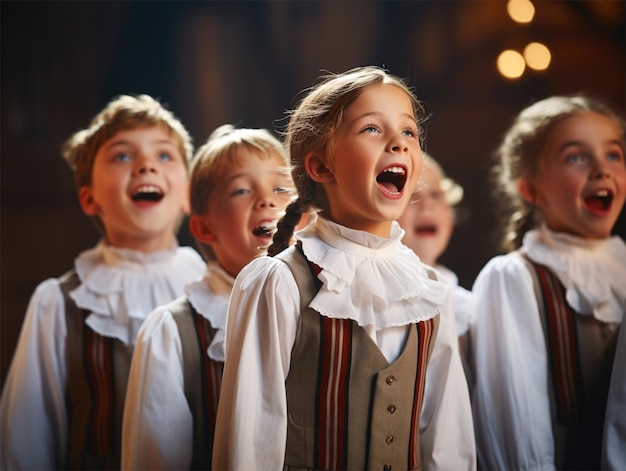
[(186, 205), (200, 228), (317, 168), (527, 190), (87, 201)]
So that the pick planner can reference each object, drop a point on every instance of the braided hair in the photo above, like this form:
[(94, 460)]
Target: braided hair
[(519, 154), (312, 127)]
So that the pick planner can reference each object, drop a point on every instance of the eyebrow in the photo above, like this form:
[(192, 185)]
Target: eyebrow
[(123, 142), (574, 143), (379, 113)]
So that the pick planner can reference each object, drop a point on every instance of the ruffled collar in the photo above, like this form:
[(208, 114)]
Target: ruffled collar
[(120, 287), (593, 272), (375, 281), (209, 298)]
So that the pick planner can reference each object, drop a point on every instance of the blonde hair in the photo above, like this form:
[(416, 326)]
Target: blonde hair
[(519, 153), (217, 155), (452, 191), (312, 127), (122, 113)]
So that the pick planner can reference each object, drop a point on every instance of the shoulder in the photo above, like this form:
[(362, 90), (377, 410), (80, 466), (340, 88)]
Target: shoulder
[(512, 266), (190, 257), (264, 270)]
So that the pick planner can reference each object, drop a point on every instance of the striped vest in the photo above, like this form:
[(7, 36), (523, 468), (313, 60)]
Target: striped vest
[(98, 369), (348, 408), (580, 358), (202, 378)]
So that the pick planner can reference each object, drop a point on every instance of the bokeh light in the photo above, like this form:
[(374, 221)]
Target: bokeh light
[(537, 56), (511, 64), (521, 11)]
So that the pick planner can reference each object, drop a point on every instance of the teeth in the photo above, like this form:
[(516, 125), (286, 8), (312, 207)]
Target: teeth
[(602, 193), (147, 189), (398, 170)]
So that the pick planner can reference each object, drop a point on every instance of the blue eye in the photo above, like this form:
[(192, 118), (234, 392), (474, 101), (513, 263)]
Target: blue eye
[(614, 157), (574, 158), (410, 132), (165, 156), (240, 191), (121, 157), (370, 128)]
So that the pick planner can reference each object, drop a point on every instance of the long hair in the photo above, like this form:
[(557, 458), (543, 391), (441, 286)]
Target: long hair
[(312, 127), (519, 153)]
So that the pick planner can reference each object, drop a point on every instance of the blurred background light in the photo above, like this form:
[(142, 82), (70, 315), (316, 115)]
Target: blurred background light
[(537, 56), (521, 11), (511, 64)]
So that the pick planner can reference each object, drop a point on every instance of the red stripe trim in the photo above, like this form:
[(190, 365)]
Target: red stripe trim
[(99, 369), (333, 386), (563, 347), (425, 336)]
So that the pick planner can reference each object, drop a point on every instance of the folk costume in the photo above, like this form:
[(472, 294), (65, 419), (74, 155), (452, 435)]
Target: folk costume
[(341, 353), (175, 379), (63, 399), (542, 350)]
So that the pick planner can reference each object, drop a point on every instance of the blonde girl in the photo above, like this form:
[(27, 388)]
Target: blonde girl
[(341, 350), (548, 312)]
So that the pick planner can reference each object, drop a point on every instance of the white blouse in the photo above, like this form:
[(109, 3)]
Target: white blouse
[(510, 398), (377, 282), (158, 424), (614, 445), (462, 300), (119, 287)]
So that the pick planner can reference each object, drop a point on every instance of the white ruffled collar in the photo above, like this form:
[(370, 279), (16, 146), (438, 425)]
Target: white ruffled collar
[(375, 281), (593, 272), (120, 287), (209, 297)]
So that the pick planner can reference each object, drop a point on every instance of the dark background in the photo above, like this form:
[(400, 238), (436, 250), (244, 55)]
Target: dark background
[(243, 63)]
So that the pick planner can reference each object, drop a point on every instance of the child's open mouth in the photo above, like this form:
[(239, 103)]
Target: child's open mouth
[(599, 201), (149, 193), (426, 230), (392, 179), (264, 230)]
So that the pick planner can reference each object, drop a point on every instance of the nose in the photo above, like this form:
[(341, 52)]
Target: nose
[(266, 199), (144, 165), (398, 144), (600, 169)]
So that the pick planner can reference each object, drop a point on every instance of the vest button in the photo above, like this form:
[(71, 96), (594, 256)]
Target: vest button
[(389, 439), (387, 467), (391, 379), (391, 408)]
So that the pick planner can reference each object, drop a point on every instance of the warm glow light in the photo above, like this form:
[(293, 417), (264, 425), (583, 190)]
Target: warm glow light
[(511, 64), (521, 11), (537, 56)]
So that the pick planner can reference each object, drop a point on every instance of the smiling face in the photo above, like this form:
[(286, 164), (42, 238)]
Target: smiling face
[(244, 208), (139, 188), (581, 182), (428, 221), (375, 163)]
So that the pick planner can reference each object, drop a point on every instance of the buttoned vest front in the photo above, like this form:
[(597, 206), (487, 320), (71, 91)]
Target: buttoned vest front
[(348, 408)]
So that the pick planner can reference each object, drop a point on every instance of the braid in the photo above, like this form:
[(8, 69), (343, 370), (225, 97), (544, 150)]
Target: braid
[(286, 226)]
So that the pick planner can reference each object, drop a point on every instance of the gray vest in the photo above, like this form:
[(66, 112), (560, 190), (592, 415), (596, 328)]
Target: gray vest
[(348, 408)]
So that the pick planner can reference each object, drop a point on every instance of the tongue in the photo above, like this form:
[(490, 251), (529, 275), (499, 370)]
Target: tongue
[(390, 187), (598, 204)]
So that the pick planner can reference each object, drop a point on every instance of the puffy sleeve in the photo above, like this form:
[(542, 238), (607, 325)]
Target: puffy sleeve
[(251, 428), (157, 431), (614, 447), (33, 418), (447, 431), (510, 399)]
